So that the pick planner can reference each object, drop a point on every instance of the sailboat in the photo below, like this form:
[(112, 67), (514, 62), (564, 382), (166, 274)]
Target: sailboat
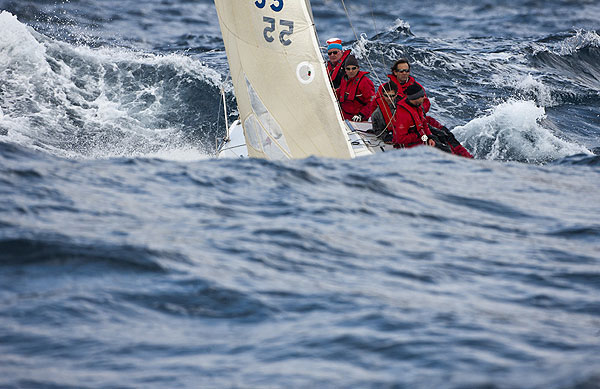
[(287, 106)]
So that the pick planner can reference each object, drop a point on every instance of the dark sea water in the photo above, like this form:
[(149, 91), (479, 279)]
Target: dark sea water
[(131, 258)]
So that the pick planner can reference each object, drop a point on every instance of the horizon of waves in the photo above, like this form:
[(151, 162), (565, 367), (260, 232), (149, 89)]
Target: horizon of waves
[(79, 102)]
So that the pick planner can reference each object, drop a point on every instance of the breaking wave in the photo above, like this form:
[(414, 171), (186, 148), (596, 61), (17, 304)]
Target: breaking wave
[(78, 102), (515, 131)]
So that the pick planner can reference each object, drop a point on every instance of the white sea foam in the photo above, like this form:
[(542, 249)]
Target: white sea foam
[(569, 45), (580, 40), (182, 155), (530, 85), (18, 46), (536, 86), (95, 103), (399, 24), (514, 131)]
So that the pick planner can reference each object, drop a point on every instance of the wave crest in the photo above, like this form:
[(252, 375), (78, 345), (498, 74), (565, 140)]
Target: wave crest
[(79, 102), (513, 131)]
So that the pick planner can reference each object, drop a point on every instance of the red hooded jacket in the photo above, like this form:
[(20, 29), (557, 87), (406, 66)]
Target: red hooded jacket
[(410, 125)]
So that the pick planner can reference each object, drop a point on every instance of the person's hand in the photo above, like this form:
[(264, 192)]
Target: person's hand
[(357, 118), (431, 142)]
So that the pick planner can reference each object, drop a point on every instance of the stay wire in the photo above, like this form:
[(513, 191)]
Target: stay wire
[(223, 105), (383, 60), (357, 40)]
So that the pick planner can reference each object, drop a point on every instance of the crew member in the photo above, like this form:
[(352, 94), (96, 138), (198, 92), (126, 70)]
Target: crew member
[(356, 93), (402, 78), (335, 64), (412, 127), (383, 116)]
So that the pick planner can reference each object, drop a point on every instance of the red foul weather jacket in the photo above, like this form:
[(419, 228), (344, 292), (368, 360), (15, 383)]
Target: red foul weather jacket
[(410, 124), (383, 119), (357, 96), (336, 71)]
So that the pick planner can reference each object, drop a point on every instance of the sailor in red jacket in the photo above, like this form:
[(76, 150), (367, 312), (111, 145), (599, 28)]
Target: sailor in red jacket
[(402, 78), (356, 93), (412, 127), (383, 116), (410, 124), (335, 64)]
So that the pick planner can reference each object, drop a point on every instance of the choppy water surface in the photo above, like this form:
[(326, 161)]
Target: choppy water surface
[(130, 257)]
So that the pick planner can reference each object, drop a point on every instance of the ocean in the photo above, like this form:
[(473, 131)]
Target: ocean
[(130, 257)]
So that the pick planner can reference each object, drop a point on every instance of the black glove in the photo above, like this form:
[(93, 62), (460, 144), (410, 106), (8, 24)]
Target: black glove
[(388, 138), (440, 145), (450, 137)]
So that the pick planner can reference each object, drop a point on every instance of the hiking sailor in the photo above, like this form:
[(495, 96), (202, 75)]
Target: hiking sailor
[(335, 64), (383, 116), (410, 124), (413, 128), (356, 93), (402, 78)]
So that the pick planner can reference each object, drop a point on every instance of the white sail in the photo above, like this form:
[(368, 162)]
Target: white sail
[(285, 101)]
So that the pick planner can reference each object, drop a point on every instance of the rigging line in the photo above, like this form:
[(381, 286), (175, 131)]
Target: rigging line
[(357, 40), (223, 105), (314, 27), (217, 146), (383, 61)]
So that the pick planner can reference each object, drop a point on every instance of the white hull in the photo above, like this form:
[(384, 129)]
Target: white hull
[(235, 146), (362, 142)]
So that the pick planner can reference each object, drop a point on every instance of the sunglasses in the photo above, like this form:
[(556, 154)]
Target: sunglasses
[(403, 70), (334, 52), (351, 68)]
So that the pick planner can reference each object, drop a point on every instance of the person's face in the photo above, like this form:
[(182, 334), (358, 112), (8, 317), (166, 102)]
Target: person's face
[(334, 55), (402, 72), (351, 71), (390, 97), (418, 102)]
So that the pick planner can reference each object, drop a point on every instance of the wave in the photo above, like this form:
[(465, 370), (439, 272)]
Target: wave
[(514, 131), (580, 159), (573, 59), (502, 88), (553, 71), (569, 43), (79, 102), (46, 249), (199, 297)]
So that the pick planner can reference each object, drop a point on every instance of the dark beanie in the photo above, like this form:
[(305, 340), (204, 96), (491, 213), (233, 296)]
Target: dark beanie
[(351, 60), (414, 92)]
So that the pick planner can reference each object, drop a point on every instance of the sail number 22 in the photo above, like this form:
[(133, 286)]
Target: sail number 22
[(287, 26)]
